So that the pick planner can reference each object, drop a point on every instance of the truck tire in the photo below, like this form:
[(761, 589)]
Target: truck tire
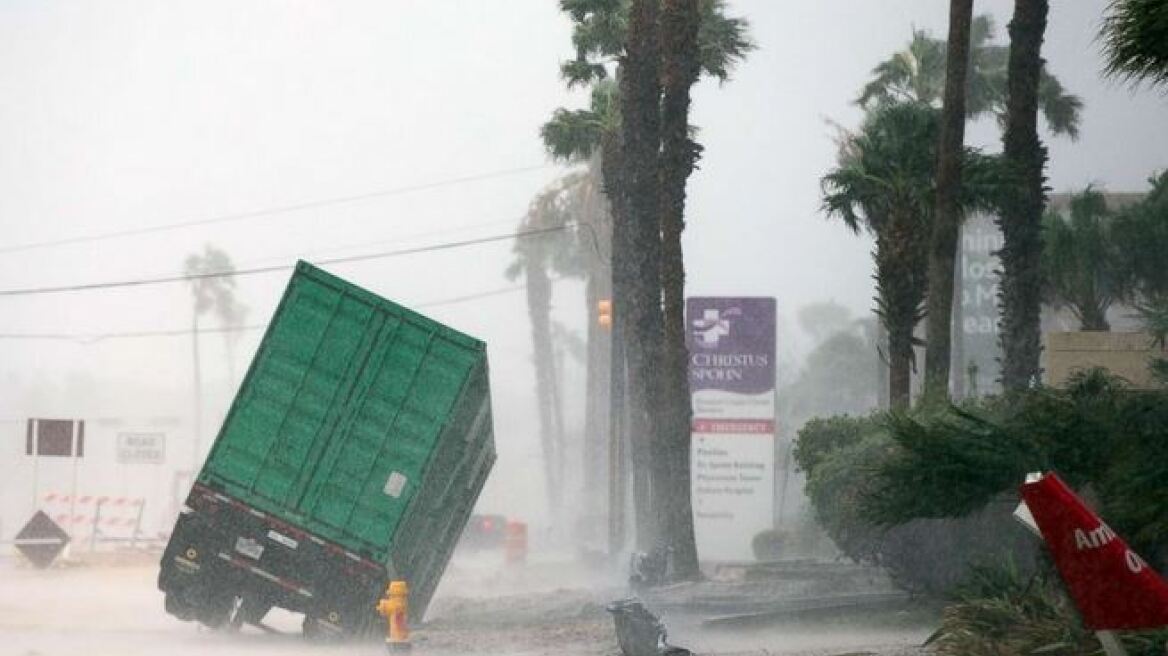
[(215, 611), (179, 607), (337, 627)]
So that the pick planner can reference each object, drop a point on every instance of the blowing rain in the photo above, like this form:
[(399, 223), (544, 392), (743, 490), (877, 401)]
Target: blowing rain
[(727, 327)]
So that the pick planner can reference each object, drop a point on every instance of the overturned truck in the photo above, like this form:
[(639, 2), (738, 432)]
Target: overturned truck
[(352, 455)]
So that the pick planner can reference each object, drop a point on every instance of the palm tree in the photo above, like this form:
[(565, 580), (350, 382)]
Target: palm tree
[(917, 74), (679, 153), (605, 41), (640, 95), (210, 276), (947, 226), (1080, 264), (535, 257), (1020, 219), (1135, 41), (884, 185), (1140, 232)]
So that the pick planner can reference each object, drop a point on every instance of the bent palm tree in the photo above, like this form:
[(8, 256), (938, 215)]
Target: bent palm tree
[(213, 290), (535, 257)]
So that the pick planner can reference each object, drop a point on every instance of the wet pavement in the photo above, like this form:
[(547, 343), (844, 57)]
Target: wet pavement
[(481, 608)]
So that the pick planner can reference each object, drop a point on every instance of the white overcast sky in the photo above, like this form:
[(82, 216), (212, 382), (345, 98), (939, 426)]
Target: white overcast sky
[(122, 115)]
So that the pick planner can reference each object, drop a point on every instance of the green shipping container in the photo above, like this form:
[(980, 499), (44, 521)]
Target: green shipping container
[(362, 423)]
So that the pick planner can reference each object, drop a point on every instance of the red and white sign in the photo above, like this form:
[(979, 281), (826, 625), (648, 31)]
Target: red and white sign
[(1112, 586), (731, 345)]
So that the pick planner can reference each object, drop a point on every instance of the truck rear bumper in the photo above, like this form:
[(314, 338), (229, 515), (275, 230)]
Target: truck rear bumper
[(228, 562)]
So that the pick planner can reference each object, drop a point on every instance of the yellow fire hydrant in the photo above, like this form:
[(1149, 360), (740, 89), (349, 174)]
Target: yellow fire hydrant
[(394, 607)]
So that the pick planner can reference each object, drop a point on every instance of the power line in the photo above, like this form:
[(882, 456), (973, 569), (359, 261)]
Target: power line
[(279, 209), (140, 282), (180, 332)]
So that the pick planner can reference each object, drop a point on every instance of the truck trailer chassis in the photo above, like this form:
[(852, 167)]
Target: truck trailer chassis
[(228, 564)]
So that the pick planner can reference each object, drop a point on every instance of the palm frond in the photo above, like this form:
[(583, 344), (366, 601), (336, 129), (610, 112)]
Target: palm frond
[(581, 72), (572, 135), (1061, 109), (723, 41), (1135, 41)]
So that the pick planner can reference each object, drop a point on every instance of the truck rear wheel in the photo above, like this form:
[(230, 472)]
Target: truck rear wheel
[(179, 607), (215, 611), (334, 626)]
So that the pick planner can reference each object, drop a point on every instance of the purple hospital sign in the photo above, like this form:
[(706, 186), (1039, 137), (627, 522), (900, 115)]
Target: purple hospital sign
[(731, 343), (732, 384)]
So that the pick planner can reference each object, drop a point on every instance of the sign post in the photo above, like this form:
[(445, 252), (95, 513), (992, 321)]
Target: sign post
[(732, 381)]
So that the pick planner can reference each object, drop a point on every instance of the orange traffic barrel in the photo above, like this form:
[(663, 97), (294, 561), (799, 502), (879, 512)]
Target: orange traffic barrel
[(515, 543)]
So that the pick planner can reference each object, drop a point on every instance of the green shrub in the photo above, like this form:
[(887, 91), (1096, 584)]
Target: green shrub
[(929, 492), (1097, 434), (923, 555)]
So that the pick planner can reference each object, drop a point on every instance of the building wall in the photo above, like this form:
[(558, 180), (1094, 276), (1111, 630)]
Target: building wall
[(1124, 354)]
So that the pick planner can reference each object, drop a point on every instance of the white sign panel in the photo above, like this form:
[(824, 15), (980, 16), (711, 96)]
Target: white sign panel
[(141, 448), (732, 378)]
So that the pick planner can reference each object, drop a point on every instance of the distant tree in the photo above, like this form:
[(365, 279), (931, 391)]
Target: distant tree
[(536, 257), (1081, 266), (212, 281), (819, 320), (1140, 232), (835, 379), (1020, 218), (1135, 41), (917, 74)]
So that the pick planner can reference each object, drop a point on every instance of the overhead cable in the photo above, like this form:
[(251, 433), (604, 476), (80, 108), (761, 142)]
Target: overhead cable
[(268, 211), (140, 282), (180, 332)]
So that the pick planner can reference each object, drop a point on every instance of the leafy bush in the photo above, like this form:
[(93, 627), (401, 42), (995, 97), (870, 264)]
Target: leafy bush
[(843, 457), (820, 438), (927, 493), (1098, 435)]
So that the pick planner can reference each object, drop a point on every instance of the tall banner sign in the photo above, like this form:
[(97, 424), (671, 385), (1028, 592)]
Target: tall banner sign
[(732, 379)]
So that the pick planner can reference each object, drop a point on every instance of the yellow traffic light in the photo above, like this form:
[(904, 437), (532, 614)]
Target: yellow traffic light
[(604, 312)]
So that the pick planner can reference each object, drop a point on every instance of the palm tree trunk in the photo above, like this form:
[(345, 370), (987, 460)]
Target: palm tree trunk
[(1021, 214), (539, 307), (595, 412), (197, 443), (624, 276), (947, 217), (901, 281), (598, 285), (900, 355), (679, 153), (640, 128)]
